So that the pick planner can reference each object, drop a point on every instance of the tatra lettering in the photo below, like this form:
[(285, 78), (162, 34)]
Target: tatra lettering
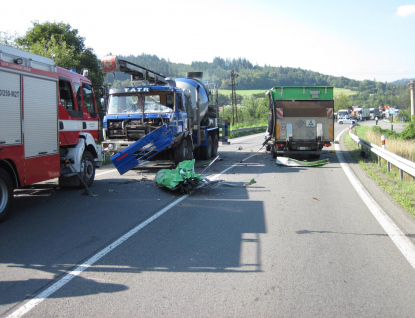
[(136, 89)]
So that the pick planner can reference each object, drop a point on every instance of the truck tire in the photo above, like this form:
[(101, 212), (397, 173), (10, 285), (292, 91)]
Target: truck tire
[(183, 151), (6, 194), (215, 146), (273, 152), (87, 172), (206, 151)]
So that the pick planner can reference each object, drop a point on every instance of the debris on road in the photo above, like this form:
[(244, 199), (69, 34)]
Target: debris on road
[(289, 162), (250, 182), (182, 177)]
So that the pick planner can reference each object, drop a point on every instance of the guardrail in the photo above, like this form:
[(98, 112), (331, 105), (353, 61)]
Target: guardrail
[(246, 129), (402, 164)]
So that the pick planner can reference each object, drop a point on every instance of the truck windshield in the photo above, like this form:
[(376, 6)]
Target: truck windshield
[(127, 104)]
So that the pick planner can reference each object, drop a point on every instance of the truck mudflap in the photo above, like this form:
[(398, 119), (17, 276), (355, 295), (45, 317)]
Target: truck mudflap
[(143, 149)]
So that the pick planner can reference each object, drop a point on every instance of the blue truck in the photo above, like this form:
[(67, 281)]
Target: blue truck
[(159, 118)]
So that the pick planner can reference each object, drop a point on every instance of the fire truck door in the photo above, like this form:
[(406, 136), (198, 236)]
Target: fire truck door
[(40, 117), (10, 109)]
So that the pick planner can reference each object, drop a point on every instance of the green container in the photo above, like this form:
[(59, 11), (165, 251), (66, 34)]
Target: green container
[(302, 93)]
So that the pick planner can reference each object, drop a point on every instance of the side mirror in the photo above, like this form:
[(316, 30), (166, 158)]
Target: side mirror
[(102, 102)]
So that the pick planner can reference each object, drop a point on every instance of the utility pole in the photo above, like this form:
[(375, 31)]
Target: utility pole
[(233, 75), (411, 87), (391, 109)]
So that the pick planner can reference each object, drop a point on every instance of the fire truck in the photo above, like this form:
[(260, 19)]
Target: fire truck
[(49, 125)]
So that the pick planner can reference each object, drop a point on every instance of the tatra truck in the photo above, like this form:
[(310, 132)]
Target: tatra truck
[(158, 118), (49, 125), (300, 121)]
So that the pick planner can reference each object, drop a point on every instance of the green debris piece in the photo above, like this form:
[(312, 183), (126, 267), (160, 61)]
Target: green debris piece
[(182, 177), (250, 182), (289, 162)]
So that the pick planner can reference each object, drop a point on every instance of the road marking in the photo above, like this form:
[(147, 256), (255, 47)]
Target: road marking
[(77, 271), (105, 172), (398, 237), (243, 138)]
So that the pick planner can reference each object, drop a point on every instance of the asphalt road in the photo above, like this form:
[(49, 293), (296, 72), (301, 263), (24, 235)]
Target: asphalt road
[(299, 242)]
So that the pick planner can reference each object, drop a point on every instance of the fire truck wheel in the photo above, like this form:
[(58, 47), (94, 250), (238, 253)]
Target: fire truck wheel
[(215, 146), (6, 194), (87, 169)]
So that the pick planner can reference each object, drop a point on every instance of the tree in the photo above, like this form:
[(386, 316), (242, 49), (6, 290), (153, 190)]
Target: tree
[(63, 44), (342, 102), (7, 38)]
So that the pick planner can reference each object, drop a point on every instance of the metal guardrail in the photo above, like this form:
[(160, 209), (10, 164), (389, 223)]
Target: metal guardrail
[(246, 129), (402, 164)]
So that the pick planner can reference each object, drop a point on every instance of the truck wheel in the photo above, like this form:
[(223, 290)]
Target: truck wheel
[(273, 152), (206, 151), (87, 169), (181, 152), (189, 148), (6, 194), (215, 146)]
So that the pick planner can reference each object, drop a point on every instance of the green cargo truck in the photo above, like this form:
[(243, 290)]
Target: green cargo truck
[(300, 121)]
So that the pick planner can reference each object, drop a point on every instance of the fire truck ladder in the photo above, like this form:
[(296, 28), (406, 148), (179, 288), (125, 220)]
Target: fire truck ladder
[(143, 149), (139, 74)]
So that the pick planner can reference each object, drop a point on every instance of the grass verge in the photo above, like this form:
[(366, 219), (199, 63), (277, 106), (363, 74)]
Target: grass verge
[(402, 191)]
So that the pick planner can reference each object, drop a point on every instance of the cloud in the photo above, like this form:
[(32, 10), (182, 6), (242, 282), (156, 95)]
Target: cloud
[(406, 10)]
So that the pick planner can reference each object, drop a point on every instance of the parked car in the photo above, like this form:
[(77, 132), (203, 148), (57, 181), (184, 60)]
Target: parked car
[(346, 120)]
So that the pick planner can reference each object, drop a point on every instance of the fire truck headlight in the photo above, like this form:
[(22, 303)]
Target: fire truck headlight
[(110, 147)]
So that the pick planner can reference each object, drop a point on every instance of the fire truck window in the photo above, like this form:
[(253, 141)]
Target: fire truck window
[(78, 95), (66, 96), (88, 99)]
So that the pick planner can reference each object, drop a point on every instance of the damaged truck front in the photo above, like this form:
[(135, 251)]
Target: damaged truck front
[(167, 119), (301, 120)]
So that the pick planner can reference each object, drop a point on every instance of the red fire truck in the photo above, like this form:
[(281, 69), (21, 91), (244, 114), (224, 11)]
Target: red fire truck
[(49, 125)]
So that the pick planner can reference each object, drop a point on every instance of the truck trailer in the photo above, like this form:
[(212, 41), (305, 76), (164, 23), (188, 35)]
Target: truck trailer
[(48, 125), (362, 113), (301, 120)]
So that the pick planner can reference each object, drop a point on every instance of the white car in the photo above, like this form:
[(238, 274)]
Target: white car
[(346, 120)]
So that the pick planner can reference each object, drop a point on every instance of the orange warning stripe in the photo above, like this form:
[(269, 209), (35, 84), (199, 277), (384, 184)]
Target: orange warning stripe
[(331, 131), (278, 131)]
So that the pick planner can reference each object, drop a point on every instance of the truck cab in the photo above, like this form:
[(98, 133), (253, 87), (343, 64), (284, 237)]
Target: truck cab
[(133, 112)]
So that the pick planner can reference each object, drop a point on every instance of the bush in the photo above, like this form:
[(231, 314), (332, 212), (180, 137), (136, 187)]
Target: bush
[(387, 132), (409, 132)]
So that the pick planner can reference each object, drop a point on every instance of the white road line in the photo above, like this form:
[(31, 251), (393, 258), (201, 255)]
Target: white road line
[(244, 138), (77, 271), (397, 236), (105, 172)]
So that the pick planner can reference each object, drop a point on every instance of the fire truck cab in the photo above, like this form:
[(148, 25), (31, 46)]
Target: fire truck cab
[(49, 125)]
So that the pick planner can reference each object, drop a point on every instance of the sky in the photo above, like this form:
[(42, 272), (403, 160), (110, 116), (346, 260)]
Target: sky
[(358, 39)]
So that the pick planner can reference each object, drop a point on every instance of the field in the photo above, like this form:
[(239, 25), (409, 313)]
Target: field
[(345, 91), (244, 93)]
